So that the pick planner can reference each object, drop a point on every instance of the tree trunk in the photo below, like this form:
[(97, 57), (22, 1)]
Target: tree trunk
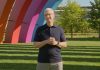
[(71, 31), (99, 31)]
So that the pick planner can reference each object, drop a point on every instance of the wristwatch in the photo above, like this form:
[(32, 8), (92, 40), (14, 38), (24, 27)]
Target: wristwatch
[(57, 43)]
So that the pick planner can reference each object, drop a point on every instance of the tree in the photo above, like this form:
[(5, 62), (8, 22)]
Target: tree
[(72, 18), (95, 15)]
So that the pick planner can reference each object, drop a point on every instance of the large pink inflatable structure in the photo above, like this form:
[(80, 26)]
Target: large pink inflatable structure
[(19, 19)]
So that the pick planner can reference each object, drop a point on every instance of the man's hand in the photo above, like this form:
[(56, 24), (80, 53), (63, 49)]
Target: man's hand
[(52, 41)]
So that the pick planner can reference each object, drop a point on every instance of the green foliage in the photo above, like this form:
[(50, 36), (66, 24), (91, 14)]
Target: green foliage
[(72, 18), (95, 15)]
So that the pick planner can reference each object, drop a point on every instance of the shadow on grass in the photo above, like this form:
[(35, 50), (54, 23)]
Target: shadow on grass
[(18, 48), (82, 59), (83, 48), (84, 39), (79, 67), (18, 57), (14, 52), (17, 66), (15, 45), (83, 53)]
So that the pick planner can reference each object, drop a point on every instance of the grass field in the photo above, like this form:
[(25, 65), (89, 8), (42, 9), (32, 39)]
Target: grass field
[(79, 55)]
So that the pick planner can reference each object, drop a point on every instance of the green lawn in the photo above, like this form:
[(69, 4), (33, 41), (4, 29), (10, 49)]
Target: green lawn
[(79, 55)]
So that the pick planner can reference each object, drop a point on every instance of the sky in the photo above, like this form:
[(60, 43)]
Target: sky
[(81, 2)]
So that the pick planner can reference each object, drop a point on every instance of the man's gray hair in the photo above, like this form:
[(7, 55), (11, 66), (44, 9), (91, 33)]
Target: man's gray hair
[(48, 9)]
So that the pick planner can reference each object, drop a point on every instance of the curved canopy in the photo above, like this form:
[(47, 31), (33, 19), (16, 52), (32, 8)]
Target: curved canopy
[(20, 18)]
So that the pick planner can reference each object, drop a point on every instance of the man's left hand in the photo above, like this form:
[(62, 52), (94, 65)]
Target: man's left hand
[(53, 41)]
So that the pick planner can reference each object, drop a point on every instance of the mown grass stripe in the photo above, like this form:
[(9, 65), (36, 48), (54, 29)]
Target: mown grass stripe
[(17, 55), (16, 61), (16, 48), (80, 52), (82, 63), (19, 50), (78, 56), (83, 49), (84, 43)]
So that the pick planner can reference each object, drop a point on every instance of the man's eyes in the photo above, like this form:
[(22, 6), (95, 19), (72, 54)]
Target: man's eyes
[(47, 14)]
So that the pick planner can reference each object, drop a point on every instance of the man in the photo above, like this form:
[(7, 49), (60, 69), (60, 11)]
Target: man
[(49, 39)]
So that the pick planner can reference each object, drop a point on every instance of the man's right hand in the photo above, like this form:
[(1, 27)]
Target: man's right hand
[(51, 41)]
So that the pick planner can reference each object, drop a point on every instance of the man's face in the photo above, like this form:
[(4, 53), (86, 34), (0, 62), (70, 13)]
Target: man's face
[(49, 16)]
